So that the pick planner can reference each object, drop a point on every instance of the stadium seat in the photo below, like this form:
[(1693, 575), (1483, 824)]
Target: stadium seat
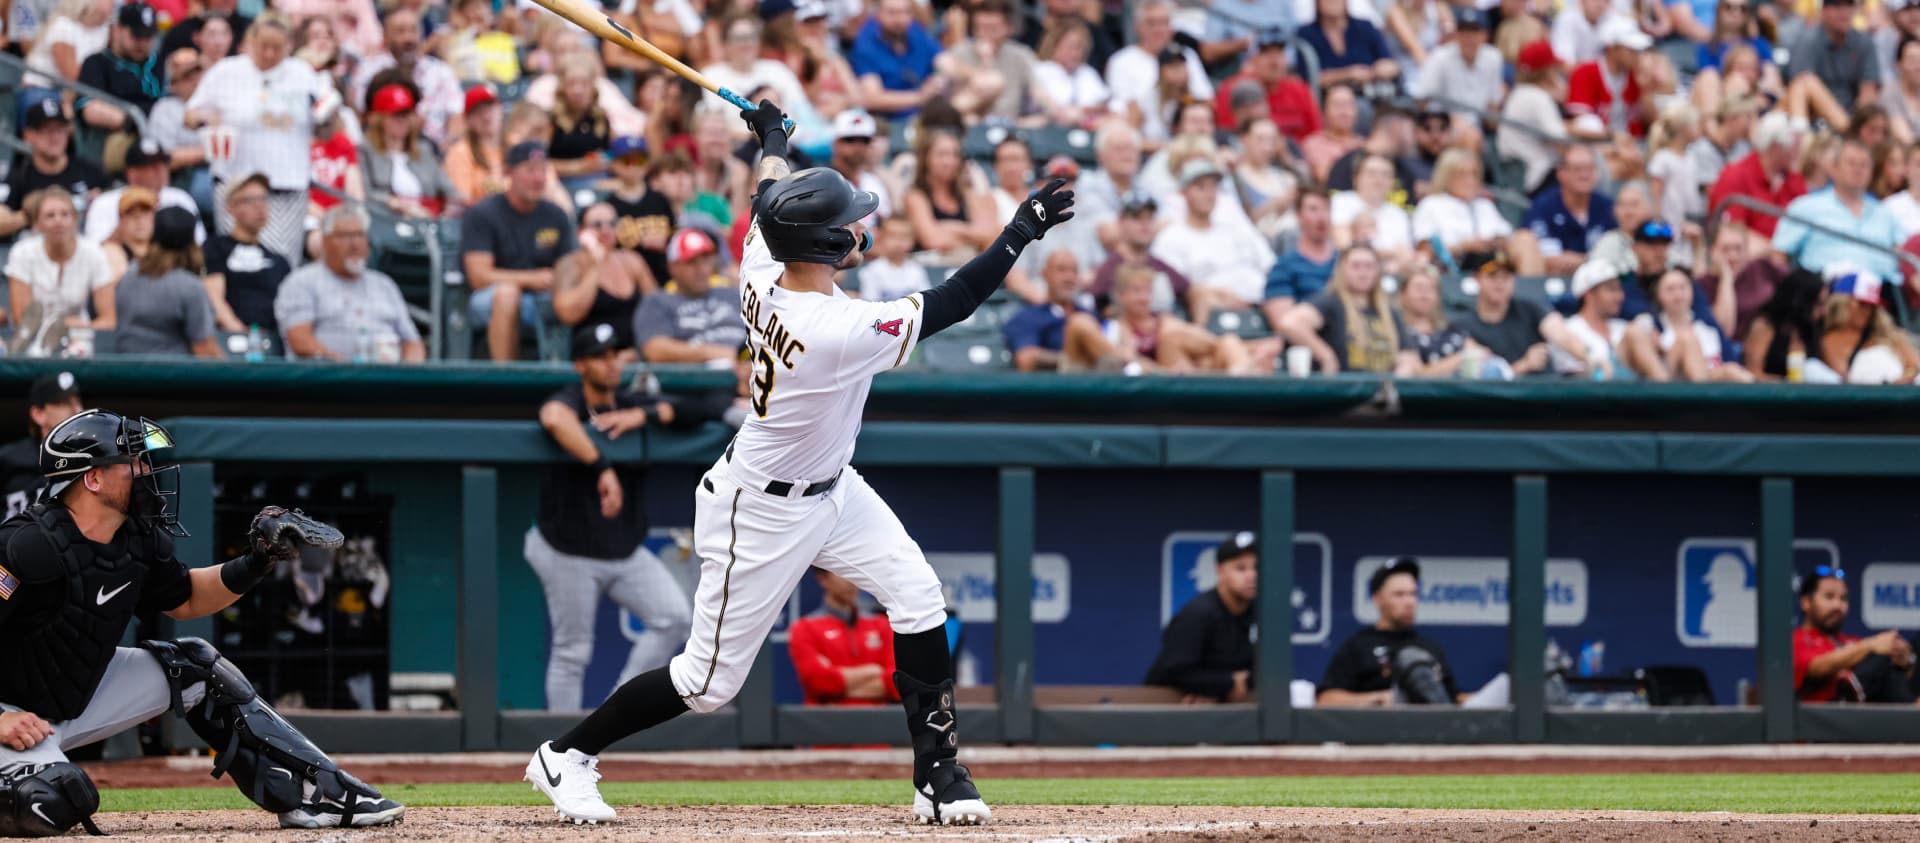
[(963, 350), (1247, 323), (1458, 291), (1543, 290)]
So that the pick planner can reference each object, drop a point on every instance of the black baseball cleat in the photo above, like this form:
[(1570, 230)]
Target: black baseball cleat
[(948, 796), (330, 813)]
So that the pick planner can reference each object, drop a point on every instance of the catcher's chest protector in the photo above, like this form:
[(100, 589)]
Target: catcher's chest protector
[(55, 659)]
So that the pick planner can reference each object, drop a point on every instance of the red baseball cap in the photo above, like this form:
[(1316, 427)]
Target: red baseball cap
[(690, 243), (1537, 56), (393, 99), (479, 95)]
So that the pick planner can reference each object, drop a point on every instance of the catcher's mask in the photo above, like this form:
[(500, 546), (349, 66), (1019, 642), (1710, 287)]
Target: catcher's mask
[(97, 438)]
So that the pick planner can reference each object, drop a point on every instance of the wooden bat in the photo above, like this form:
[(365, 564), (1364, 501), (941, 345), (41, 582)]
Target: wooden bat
[(592, 19)]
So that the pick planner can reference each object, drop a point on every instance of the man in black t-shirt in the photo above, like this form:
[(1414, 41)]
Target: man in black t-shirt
[(590, 535), (509, 244), (52, 399), (1515, 330), (1389, 662), (1207, 649), (243, 275), (48, 132), (1391, 137), (646, 225), (128, 69)]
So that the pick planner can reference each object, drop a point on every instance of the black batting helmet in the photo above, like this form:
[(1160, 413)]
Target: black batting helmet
[(97, 438), (804, 217)]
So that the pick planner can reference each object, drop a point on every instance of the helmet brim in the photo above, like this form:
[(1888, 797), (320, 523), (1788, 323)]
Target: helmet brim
[(864, 203)]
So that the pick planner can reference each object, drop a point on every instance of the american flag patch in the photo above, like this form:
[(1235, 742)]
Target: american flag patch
[(8, 583)]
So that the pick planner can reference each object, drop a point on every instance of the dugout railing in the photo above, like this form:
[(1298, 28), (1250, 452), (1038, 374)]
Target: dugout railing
[(465, 459)]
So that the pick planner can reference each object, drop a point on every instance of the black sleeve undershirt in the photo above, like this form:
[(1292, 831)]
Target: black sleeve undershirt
[(967, 288)]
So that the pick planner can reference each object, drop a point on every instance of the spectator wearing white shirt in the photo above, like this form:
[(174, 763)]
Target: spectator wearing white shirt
[(1534, 104), (1576, 30), (1133, 73), (1668, 343), (1367, 216), (146, 168), (890, 272), (1068, 88), (266, 104), (1597, 325), (1465, 70), (79, 28), (1218, 258), (1458, 214)]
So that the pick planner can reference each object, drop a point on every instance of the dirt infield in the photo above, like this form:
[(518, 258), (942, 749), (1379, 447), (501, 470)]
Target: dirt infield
[(706, 824), (1003, 763)]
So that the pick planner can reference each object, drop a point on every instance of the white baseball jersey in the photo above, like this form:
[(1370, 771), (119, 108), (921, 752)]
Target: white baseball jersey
[(814, 357)]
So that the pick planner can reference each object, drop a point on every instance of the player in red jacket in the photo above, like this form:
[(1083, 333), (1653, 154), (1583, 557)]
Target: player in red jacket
[(843, 656)]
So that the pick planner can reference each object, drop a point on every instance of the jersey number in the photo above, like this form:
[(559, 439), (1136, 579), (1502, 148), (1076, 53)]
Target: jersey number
[(762, 389)]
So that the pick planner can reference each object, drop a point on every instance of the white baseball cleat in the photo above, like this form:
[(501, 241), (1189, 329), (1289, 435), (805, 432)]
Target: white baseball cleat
[(331, 813), (569, 779), (949, 798)]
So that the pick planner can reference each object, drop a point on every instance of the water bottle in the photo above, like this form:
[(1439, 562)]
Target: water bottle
[(256, 344), (1593, 655), (362, 346), (1796, 367)]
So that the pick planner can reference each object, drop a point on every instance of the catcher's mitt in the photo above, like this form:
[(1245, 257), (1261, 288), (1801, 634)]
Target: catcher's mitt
[(278, 534)]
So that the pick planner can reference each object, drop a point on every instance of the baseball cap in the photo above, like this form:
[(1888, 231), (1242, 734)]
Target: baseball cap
[(1269, 38), (250, 178), (1537, 56), (526, 151), (1496, 264), (1862, 285), (810, 10), (46, 113), (1138, 200), (853, 123), (626, 145), (147, 151), (595, 338), (137, 197), (51, 387), (393, 99), (1653, 231), (1590, 275), (1469, 17), (689, 243), (479, 95), (1621, 31), (1197, 169), (1402, 565), (1238, 544), (138, 19), (173, 228)]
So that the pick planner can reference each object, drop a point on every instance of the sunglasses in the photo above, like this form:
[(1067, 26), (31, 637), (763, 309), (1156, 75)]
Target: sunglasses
[(1657, 231), (607, 225), (1830, 571)]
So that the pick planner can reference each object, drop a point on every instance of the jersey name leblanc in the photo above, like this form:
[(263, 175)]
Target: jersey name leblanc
[(772, 335)]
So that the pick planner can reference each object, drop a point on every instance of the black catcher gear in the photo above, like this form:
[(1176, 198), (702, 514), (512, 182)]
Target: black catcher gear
[(47, 800), (97, 438)]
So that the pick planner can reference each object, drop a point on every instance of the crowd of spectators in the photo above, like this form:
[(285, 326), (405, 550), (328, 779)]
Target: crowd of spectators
[(1419, 187)]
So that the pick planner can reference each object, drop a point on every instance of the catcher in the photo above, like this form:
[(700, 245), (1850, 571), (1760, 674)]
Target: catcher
[(75, 567)]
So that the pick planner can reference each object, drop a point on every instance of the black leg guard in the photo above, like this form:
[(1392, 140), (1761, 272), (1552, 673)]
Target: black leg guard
[(930, 722), (268, 759), (47, 801)]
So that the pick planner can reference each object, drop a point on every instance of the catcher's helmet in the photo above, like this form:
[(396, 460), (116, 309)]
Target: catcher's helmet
[(96, 438), (804, 217)]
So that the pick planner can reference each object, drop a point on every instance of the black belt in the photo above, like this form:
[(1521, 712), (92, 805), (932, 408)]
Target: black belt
[(781, 488)]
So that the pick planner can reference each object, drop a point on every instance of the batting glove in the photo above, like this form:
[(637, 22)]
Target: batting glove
[(1043, 209), (766, 121)]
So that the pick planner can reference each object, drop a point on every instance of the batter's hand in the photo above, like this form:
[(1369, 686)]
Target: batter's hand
[(611, 498), (23, 730), (278, 534), (1043, 209), (765, 120)]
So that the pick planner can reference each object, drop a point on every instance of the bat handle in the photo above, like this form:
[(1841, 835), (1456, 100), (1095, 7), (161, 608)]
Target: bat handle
[(741, 103)]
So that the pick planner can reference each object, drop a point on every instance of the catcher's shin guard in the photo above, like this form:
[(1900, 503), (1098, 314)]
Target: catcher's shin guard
[(47, 800), (268, 759)]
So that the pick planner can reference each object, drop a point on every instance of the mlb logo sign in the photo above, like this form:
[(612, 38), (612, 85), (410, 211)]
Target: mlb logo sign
[(1187, 570), (1717, 588)]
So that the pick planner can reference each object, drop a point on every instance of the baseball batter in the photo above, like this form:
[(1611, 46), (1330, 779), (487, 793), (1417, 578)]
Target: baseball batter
[(783, 497)]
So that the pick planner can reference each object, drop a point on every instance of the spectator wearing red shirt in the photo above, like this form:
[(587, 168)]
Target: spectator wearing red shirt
[(1832, 666), (1289, 100), (844, 656), (1605, 87), (1765, 174)]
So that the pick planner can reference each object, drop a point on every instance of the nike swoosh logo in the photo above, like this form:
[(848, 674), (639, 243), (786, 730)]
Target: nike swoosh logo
[(42, 813), (104, 595), (552, 780), (283, 771)]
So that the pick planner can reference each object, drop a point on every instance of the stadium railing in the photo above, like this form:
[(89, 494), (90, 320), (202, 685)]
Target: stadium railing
[(1907, 260), (134, 115)]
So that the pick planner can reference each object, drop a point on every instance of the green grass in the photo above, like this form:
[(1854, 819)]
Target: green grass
[(1784, 792)]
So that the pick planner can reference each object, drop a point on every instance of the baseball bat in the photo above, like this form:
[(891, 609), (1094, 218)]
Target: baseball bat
[(592, 19)]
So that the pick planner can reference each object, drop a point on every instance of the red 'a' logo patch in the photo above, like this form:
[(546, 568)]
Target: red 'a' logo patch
[(890, 328)]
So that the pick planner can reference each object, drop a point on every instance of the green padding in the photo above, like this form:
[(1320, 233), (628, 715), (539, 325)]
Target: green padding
[(377, 440), (1806, 455), (933, 443), (1096, 396), (1585, 401), (1403, 450)]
